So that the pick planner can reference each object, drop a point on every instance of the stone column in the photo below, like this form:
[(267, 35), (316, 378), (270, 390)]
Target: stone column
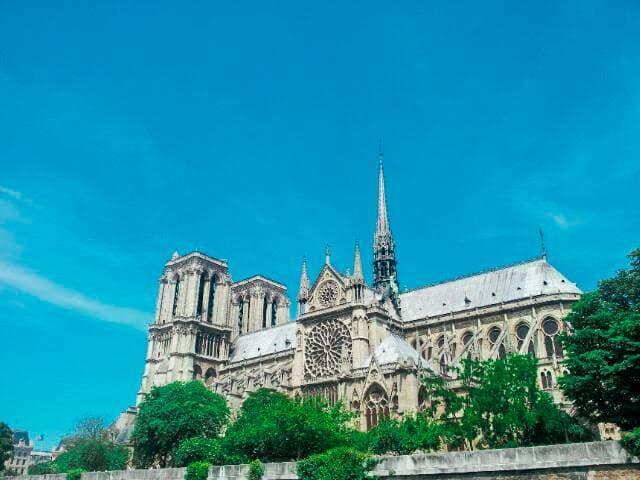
[(159, 301)]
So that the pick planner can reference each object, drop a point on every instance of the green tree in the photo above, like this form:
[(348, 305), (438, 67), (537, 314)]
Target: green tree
[(341, 463), (6, 444), (198, 449), (89, 449), (172, 413), (407, 435), (502, 406), (273, 427), (603, 350)]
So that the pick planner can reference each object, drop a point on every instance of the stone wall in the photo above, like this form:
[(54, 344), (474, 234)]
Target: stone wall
[(577, 461)]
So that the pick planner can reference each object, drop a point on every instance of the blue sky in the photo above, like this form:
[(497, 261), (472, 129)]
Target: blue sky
[(250, 131)]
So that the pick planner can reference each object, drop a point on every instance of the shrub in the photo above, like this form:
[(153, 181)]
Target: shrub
[(631, 442), (197, 471), (406, 436), (256, 470), (198, 449), (43, 468), (74, 474), (341, 463)]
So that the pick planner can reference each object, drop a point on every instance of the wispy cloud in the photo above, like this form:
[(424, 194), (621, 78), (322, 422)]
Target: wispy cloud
[(11, 193), (40, 287)]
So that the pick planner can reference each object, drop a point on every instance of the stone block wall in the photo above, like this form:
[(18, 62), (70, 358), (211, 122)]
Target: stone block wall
[(577, 461)]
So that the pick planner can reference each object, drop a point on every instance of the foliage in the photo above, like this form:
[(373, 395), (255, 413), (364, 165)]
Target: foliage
[(273, 427), (74, 474), (43, 468), (197, 471), (6, 444), (407, 435), (341, 463), (631, 442), (172, 413), (92, 455), (198, 449), (603, 351), (256, 470), (502, 405)]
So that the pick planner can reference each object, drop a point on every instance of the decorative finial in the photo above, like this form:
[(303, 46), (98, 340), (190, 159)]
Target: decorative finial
[(357, 264), (543, 248), (303, 292)]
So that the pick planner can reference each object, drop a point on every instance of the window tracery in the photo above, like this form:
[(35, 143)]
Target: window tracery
[(552, 344), (376, 406), (327, 348)]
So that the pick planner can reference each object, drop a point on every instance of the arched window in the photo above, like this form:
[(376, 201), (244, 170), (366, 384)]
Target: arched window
[(494, 334), (209, 376), (197, 372), (549, 380), (543, 380), (274, 313), (198, 343), (376, 406), (200, 294), (522, 330), (211, 300), (265, 304), (176, 295), (423, 400), (240, 314), (552, 344), (467, 338)]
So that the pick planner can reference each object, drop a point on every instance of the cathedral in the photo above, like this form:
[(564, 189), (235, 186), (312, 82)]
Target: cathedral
[(363, 343)]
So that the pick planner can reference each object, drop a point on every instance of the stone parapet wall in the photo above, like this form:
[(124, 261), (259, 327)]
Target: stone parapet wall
[(577, 461)]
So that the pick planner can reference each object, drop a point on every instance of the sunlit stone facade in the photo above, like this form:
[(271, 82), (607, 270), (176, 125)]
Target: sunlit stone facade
[(363, 343)]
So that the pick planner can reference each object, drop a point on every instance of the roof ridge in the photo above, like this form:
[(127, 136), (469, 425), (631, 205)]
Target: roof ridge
[(481, 272)]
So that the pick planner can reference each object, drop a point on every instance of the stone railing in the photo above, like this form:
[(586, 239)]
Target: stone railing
[(576, 461)]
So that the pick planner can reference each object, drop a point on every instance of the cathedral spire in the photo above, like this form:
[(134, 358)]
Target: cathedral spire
[(303, 292), (357, 265), (382, 224), (384, 258)]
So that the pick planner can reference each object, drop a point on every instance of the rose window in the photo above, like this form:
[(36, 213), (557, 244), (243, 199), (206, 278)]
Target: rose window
[(327, 348), (328, 293)]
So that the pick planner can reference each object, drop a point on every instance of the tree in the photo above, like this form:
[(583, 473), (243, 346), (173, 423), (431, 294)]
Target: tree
[(603, 351), (172, 413), (503, 407), (407, 435), (89, 449), (6, 444), (273, 427), (198, 449)]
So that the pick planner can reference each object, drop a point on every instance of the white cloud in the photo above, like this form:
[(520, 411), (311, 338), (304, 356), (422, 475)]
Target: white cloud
[(11, 193), (40, 287)]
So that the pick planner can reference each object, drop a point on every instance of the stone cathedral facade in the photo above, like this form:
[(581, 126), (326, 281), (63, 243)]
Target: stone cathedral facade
[(363, 343)]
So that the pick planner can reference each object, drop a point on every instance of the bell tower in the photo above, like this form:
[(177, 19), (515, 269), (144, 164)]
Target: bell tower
[(384, 256)]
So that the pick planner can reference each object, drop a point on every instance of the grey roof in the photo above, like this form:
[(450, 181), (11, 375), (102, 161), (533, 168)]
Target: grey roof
[(393, 349), (532, 278), (265, 342)]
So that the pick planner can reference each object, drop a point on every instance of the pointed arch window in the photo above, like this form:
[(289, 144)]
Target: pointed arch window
[(212, 297), (265, 304), (240, 314), (552, 344), (522, 330), (494, 335), (200, 304), (176, 295), (466, 341), (274, 313), (376, 406)]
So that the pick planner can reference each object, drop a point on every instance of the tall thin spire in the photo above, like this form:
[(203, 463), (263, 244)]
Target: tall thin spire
[(303, 292), (382, 224), (357, 265), (384, 258)]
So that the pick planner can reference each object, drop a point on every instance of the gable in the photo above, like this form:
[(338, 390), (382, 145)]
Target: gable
[(328, 290)]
